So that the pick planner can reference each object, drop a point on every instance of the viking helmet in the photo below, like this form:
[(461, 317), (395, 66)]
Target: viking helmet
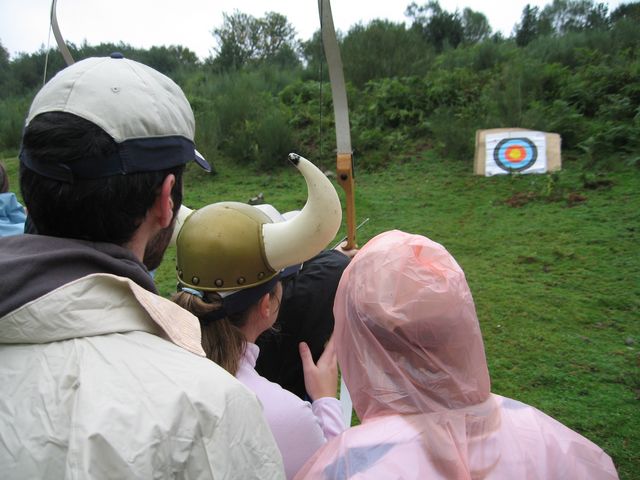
[(232, 246)]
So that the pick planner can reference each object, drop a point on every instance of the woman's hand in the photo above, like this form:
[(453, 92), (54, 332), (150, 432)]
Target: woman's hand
[(321, 379)]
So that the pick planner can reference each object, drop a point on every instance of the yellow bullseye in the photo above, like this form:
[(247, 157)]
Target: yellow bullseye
[(514, 154)]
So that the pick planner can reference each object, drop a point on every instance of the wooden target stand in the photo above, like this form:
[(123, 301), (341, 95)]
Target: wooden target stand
[(492, 148)]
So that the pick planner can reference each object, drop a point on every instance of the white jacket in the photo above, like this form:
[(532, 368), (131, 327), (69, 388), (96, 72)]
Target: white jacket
[(91, 389)]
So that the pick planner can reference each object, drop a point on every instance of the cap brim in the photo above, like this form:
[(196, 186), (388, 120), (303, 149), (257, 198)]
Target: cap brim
[(200, 160)]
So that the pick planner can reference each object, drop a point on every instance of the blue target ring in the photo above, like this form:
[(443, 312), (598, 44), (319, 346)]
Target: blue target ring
[(515, 154)]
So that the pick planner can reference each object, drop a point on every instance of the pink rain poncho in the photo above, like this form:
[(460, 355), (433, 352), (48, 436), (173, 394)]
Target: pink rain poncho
[(411, 352)]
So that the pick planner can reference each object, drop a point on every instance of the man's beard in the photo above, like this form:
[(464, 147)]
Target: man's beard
[(156, 247)]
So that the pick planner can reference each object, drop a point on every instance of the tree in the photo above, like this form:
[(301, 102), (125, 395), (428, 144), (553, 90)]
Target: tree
[(4, 65), (243, 40), (313, 54), (276, 33), (237, 39), (279, 45), (563, 16), (475, 26), (4, 56), (559, 18), (630, 11), (439, 27), (527, 30)]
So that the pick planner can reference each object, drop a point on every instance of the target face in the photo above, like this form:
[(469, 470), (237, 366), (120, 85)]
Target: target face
[(515, 154)]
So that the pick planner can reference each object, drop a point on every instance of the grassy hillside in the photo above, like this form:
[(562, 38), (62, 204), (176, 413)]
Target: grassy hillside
[(553, 262)]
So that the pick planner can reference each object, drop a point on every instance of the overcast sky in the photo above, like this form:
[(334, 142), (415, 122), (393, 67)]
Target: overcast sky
[(24, 24)]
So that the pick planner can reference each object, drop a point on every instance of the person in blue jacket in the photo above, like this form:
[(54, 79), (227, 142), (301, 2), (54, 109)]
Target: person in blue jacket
[(12, 213)]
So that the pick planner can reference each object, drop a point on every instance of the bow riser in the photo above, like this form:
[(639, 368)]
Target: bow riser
[(344, 171)]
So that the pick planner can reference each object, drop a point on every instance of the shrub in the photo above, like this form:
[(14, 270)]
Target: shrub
[(14, 111), (240, 118), (453, 131), (559, 117)]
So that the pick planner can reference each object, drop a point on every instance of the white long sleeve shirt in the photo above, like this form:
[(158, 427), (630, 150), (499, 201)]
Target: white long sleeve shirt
[(300, 428)]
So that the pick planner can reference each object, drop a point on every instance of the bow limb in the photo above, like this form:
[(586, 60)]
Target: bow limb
[(64, 50), (344, 167)]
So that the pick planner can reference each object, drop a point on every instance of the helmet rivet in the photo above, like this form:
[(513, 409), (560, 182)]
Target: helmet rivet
[(241, 281), (195, 280), (219, 282), (260, 275)]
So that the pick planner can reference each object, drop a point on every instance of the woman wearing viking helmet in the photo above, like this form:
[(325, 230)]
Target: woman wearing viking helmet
[(230, 259)]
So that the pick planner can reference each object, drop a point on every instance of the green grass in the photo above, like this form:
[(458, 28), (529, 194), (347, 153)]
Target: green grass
[(553, 262)]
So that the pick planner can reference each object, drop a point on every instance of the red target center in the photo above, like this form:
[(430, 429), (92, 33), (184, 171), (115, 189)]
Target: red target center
[(514, 154)]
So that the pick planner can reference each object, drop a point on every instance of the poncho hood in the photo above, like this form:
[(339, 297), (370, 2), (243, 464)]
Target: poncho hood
[(410, 341)]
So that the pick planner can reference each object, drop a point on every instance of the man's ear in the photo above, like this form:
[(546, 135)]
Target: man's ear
[(163, 206)]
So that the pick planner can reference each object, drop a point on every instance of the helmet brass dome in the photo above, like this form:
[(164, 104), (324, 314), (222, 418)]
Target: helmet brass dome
[(220, 247)]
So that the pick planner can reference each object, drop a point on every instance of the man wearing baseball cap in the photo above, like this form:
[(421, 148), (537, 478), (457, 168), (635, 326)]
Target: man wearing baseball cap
[(100, 376)]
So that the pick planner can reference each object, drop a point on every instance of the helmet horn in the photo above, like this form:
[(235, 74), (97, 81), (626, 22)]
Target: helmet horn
[(300, 238)]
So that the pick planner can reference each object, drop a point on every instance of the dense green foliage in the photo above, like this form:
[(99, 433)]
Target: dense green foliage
[(552, 260), (430, 84)]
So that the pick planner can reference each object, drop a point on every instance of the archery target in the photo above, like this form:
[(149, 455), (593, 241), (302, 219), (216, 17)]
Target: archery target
[(515, 152)]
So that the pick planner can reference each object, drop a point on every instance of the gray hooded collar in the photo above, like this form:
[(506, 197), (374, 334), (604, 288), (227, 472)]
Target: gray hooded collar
[(34, 265)]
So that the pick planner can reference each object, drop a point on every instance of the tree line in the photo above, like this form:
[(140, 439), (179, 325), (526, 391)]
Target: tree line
[(570, 67)]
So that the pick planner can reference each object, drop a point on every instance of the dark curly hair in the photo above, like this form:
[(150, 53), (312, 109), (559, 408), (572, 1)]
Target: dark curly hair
[(108, 209)]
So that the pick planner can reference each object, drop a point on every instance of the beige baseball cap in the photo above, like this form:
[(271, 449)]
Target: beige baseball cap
[(144, 111)]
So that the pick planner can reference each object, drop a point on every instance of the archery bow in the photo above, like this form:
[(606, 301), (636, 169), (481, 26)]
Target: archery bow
[(64, 50), (344, 167)]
